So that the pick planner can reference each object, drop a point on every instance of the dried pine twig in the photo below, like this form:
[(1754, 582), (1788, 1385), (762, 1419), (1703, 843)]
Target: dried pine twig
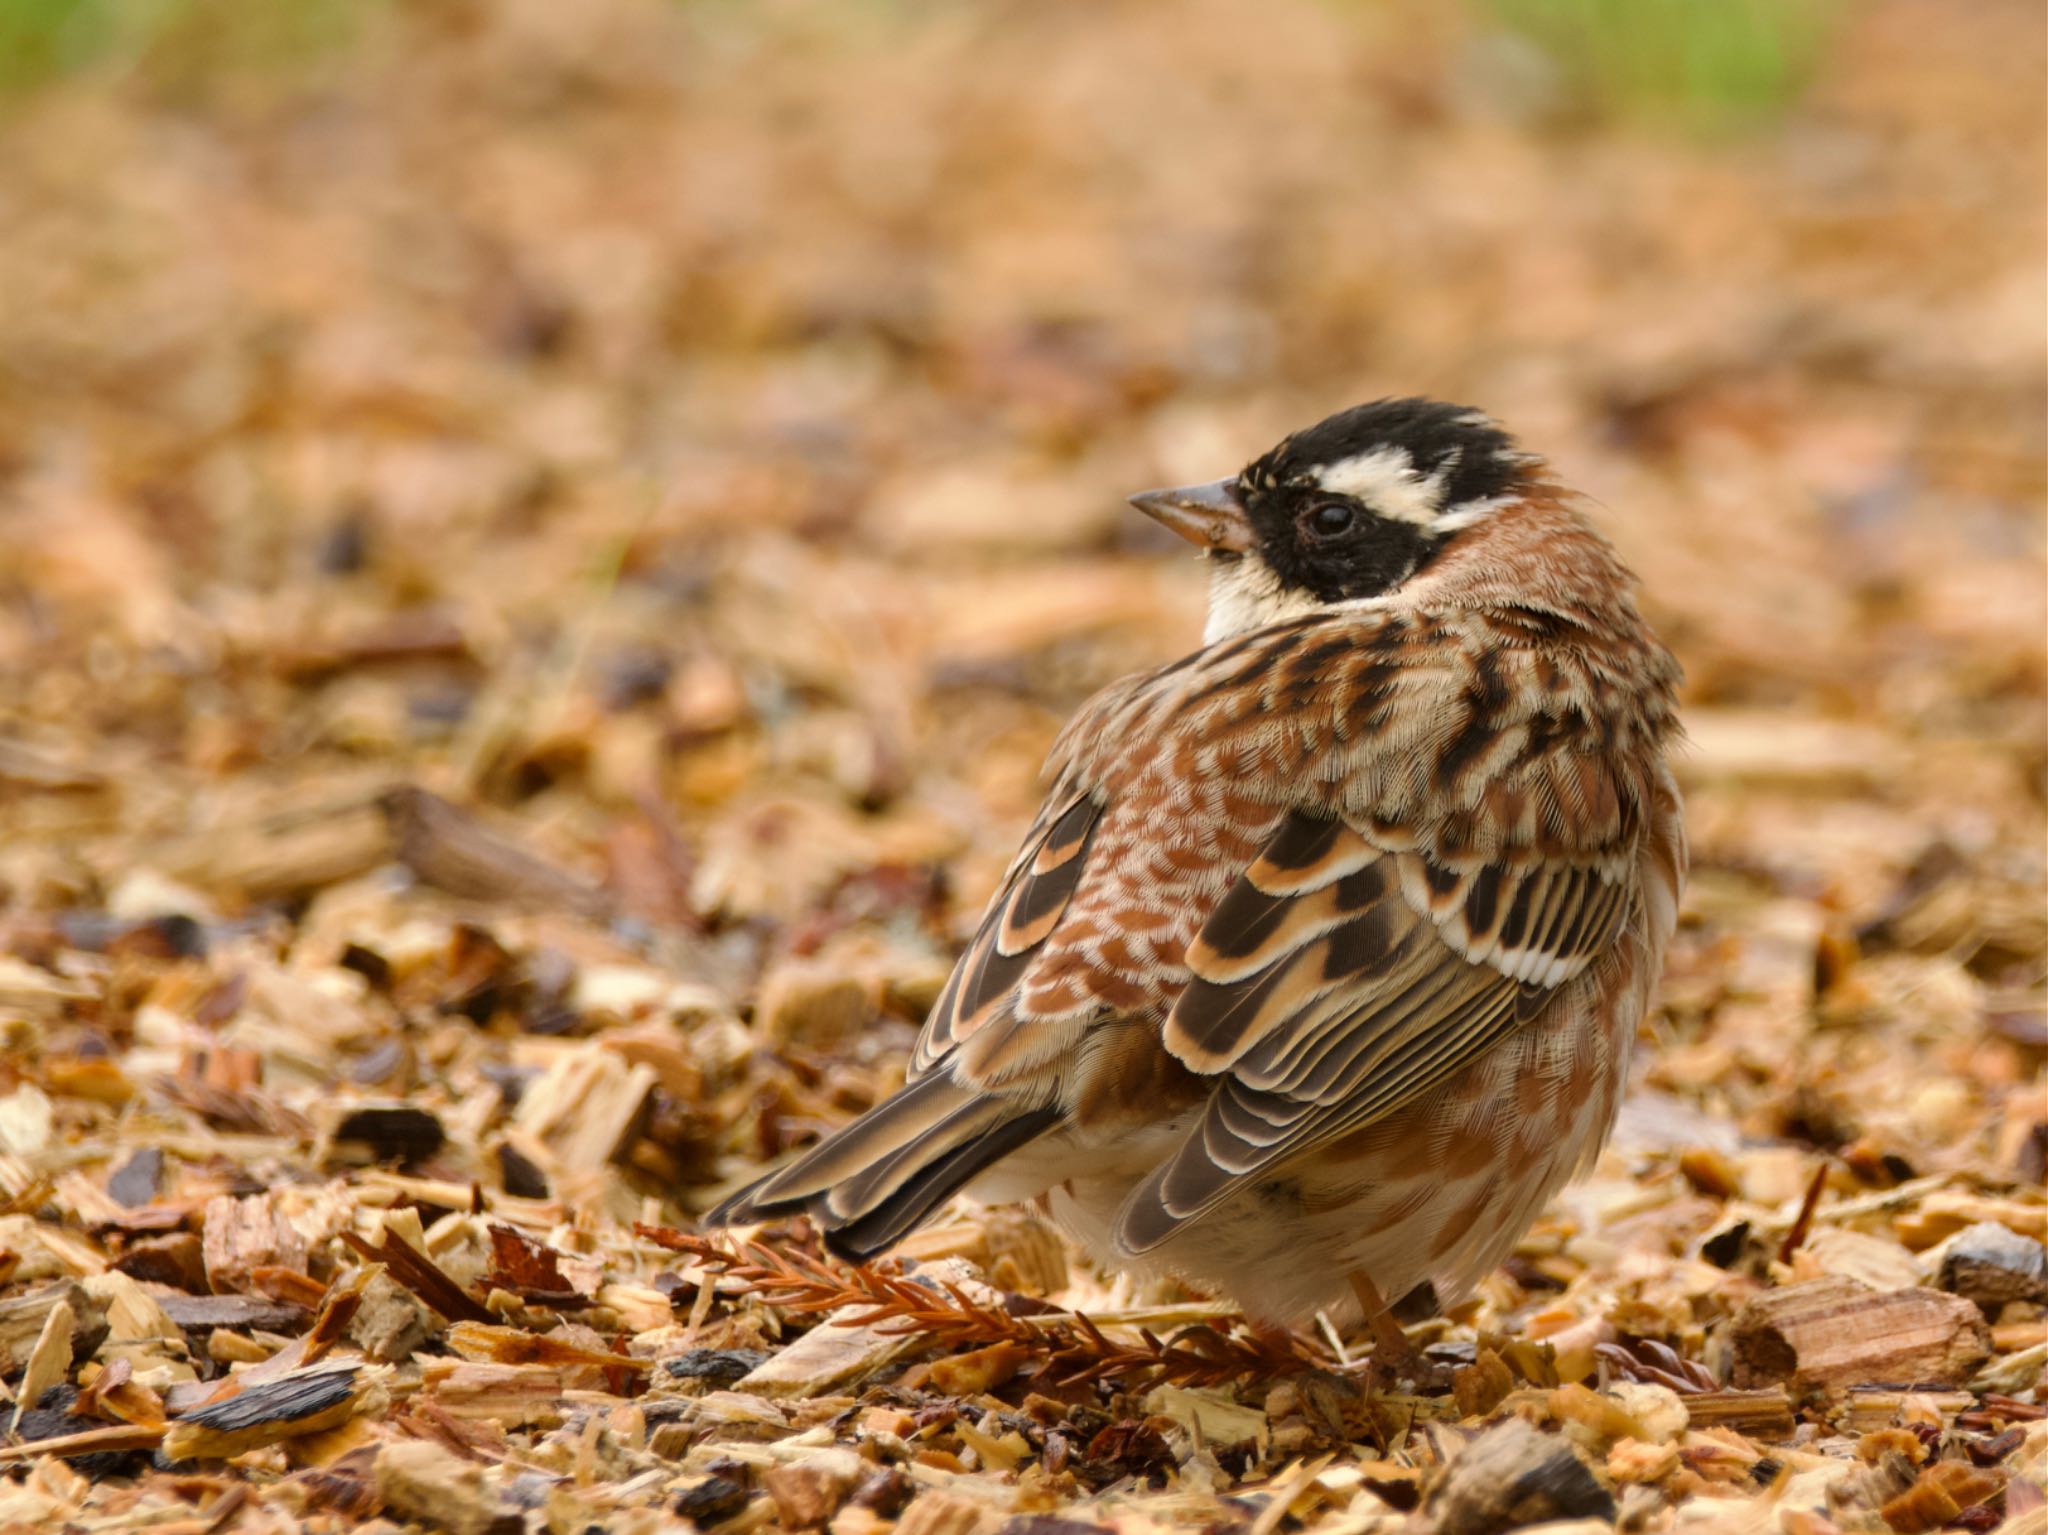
[(1077, 1350), (1803, 1222), (797, 1282), (1200, 1356)]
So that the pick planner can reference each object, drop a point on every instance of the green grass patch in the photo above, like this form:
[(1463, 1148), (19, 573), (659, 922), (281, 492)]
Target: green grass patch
[(178, 45), (1707, 64)]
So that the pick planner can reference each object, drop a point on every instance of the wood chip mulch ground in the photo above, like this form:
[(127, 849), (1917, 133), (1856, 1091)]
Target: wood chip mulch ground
[(541, 556)]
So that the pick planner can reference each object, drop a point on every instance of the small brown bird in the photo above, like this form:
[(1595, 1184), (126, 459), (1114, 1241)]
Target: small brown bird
[(1318, 972)]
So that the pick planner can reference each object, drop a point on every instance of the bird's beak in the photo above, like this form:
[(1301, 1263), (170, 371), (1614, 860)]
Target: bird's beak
[(1210, 515)]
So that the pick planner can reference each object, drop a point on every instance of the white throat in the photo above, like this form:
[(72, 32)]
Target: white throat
[(1244, 594)]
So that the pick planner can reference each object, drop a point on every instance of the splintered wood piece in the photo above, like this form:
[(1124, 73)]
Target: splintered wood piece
[(24, 1317), (1866, 1409), (834, 1352), (287, 1284), (337, 1309), (450, 849), (49, 1360), (809, 1492), (1829, 1334), (116, 1436), (174, 1259), (936, 1512), (419, 1480), (304, 1402), (586, 1106), (286, 854), (115, 1393), (1940, 1497), (242, 1236), (194, 1313), (515, 1345), (510, 1395), (1764, 1414), (529, 1269)]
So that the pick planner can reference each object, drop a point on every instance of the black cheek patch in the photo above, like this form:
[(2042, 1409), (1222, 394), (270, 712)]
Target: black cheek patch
[(1373, 561)]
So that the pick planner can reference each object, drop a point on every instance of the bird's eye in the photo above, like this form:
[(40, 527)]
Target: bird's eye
[(1331, 519)]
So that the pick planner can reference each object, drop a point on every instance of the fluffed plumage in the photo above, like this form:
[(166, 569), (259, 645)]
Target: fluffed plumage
[(1325, 955)]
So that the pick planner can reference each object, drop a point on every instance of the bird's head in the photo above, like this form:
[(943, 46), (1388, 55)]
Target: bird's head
[(1350, 508)]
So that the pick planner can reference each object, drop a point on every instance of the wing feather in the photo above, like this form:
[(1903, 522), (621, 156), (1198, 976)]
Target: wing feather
[(1035, 895), (1340, 978), (1041, 893)]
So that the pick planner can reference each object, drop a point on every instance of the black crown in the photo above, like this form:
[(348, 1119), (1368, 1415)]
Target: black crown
[(1482, 459)]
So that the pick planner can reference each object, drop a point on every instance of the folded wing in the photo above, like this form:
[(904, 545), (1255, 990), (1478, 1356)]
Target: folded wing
[(1341, 978)]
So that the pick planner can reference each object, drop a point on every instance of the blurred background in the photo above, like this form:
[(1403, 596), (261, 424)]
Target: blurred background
[(600, 509)]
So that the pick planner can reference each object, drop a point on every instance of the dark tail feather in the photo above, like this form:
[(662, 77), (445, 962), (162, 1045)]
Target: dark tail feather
[(932, 1185), (878, 1179)]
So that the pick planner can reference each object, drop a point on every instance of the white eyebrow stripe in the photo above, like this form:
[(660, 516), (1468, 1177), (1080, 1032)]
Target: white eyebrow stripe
[(1465, 513), (1384, 478)]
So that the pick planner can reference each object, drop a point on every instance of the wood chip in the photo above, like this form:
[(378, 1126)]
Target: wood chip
[(382, 1132), (1830, 1334), (1763, 1414), (842, 1350), (419, 1480), (304, 1402), (49, 1361), (91, 1441), (420, 1275), (287, 854), (175, 1260), (809, 1492), (1992, 1264), (197, 1313), (1512, 1475), (934, 1512), (24, 1319), (452, 850), (512, 1395), (585, 1107), (389, 1323), (241, 1236)]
